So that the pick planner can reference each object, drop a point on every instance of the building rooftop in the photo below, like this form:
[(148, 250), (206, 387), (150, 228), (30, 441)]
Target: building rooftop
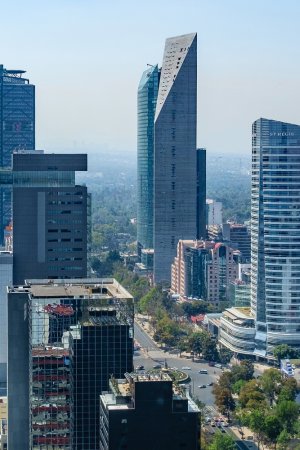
[(71, 288), (242, 313)]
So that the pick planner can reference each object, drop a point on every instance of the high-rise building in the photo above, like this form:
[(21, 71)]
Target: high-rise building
[(147, 96), (214, 212), (6, 269), (50, 216), (175, 155), (17, 127), (238, 236), (65, 339), (147, 409), (204, 270), (275, 234), (201, 193)]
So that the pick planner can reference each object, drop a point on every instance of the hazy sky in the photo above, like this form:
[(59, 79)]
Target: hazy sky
[(86, 58)]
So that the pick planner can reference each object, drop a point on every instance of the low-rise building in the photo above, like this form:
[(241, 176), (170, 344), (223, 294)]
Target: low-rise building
[(146, 411), (237, 331)]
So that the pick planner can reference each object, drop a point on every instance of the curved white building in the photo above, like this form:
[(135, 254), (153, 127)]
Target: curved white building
[(275, 235)]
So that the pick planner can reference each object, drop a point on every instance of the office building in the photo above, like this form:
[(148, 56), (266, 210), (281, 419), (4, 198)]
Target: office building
[(175, 154), (147, 96), (238, 236), (50, 216), (201, 194), (6, 271), (275, 234), (204, 270), (146, 411), (214, 212), (17, 128), (75, 335), (189, 269)]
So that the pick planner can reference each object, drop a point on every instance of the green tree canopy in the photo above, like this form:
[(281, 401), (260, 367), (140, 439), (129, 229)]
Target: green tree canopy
[(222, 442)]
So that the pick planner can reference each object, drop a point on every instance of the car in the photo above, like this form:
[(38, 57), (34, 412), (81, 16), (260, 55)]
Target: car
[(186, 368), (211, 364), (140, 368), (210, 384), (202, 386), (157, 366), (203, 371), (219, 366)]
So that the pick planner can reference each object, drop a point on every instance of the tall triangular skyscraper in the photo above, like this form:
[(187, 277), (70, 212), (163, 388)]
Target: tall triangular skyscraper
[(175, 159)]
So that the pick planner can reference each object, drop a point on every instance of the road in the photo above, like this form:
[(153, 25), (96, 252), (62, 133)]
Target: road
[(150, 354)]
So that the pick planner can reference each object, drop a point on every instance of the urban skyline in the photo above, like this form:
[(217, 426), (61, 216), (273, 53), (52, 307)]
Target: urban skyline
[(81, 357), (233, 92)]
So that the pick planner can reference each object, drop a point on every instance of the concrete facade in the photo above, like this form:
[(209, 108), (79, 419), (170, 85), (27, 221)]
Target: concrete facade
[(50, 216)]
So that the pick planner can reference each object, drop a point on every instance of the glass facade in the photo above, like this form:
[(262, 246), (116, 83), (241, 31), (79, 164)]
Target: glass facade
[(275, 234), (17, 130), (79, 336), (147, 96)]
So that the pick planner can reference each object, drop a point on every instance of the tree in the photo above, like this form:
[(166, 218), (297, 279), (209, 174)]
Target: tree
[(250, 396), (272, 427), (244, 371), (287, 412), (283, 440), (237, 386), (270, 383), (222, 442), (288, 390), (209, 348), (225, 355), (195, 307), (256, 423), (283, 351), (224, 399), (195, 342)]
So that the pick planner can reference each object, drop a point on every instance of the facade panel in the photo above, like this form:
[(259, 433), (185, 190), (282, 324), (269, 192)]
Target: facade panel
[(17, 127), (175, 159), (147, 96), (275, 234)]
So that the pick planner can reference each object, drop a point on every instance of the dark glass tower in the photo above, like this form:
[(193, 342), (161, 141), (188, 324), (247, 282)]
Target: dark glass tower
[(17, 127), (147, 96), (275, 234), (175, 155), (65, 340), (50, 216)]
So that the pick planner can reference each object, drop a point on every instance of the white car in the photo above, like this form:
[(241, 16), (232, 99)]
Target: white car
[(186, 368)]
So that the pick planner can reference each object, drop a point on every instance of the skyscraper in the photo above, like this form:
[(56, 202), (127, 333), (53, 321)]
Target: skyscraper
[(275, 234), (17, 127), (147, 96), (50, 216), (175, 156), (65, 340)]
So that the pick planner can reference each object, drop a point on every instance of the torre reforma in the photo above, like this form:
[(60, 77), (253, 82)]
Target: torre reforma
[(175, 157)]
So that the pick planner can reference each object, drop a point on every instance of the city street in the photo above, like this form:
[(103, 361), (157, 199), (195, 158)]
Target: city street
[(150, 354)]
